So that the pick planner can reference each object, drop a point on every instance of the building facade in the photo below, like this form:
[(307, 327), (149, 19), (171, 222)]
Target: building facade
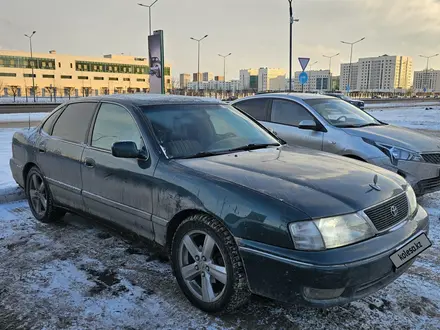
[(249, 79), (379, 74), (219, 78), (207, 76), (268, 75), (319, 80), (67, 75), (427, 81), (343, 78), (185, 78), (199, 77)]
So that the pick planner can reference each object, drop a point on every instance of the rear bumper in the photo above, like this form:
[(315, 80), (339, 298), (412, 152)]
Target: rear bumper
[(351, 271)]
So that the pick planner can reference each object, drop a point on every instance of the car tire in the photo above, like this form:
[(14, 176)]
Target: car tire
[(225, 297), (40, 198)]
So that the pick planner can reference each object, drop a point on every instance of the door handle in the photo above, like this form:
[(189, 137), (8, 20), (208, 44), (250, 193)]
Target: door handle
[(89, 162), (42, 148)]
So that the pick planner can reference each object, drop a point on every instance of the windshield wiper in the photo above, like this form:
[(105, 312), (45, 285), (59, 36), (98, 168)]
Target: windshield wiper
[(370, 124), (204, 154), (254, 146)]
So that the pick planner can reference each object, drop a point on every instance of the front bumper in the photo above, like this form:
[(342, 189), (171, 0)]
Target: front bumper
[(355, 271), (423, 177)]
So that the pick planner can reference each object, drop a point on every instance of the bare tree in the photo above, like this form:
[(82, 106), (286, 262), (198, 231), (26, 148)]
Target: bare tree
[(51, 90), (69, 91), (86, 91), (14, 90)]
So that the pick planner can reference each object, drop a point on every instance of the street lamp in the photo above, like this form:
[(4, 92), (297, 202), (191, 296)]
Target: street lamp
[(224, 68), (351, 55), (330, 68), (32, 62), (198, 59), (149, 11), (310, 74), (292, 20), (427, 68)]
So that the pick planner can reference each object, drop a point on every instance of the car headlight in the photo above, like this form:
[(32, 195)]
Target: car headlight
[(329, 233), (412, 200), (396, 153)]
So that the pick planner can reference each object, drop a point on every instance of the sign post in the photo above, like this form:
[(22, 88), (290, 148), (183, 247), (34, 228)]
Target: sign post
[(303, 77), (157, 65)]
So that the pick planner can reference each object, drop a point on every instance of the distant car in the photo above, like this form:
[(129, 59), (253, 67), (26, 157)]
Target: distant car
[(356, 103), (331, 125), (376, 97), (237, 209)]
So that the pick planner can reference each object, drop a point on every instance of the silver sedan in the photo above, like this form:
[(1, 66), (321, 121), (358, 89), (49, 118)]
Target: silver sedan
[(332, 125)]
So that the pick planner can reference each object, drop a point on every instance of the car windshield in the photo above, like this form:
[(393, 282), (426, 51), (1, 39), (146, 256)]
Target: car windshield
[(185, 131), (342, 114)]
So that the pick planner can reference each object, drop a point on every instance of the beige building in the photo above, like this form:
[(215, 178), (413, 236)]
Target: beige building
[(379, 74), (68, 75), (185, 78), (266, 76), (246, 77)]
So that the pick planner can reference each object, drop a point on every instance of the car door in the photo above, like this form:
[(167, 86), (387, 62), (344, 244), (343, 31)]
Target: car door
[(117, 189), (60, 149), (285, 116)]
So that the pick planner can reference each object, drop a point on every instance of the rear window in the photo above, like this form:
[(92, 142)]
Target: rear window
[(257, 108), (74, 122), (48, 124)]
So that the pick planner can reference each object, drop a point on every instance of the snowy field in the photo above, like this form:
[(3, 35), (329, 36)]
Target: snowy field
[(80, 275)]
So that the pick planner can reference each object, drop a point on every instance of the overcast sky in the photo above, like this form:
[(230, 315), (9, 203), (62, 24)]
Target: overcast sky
[(255, 31)]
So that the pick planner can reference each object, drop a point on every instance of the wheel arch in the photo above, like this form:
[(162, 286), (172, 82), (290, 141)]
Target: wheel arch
[(355, 157), (26, 170)]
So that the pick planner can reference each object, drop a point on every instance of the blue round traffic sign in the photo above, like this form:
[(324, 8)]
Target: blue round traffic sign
[(303, 78)]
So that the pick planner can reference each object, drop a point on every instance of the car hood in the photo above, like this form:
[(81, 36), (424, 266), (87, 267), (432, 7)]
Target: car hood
[(317, 183), (397, 136)]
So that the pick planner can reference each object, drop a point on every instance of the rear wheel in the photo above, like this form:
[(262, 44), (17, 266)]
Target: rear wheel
[(207, 265), (40, 198)]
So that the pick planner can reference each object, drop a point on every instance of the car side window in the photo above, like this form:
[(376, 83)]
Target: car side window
[(257, 108), (289, 113), (48, 124), (115, 124), (72, 125)]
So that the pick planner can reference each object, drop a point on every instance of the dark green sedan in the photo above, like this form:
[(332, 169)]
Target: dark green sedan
[(237, 209)]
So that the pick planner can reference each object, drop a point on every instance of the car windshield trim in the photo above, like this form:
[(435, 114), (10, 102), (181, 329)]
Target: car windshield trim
[(333, 110)]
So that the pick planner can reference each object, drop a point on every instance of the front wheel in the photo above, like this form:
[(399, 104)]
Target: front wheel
[(207, 265)]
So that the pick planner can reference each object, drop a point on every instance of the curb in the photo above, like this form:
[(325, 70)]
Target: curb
[(11, 194)]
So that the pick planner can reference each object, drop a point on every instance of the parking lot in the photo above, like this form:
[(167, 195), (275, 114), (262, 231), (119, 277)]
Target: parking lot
[(79, 274)]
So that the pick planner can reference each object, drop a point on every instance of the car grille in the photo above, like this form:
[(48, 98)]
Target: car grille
[(429, 184), (382, 216), (431, 158)]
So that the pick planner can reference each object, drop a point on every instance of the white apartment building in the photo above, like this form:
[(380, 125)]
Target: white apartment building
[(427, 79), (343, 78), (379, 74), (319, 80), (185, 78), (266, 76), (233, 86), (245, 78)]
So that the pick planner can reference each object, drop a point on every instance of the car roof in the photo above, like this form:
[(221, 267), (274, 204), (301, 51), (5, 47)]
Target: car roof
[(143, 99), (293, 96)]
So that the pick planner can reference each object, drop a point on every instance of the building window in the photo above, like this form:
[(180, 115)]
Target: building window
[(8, 74), (59, 64), (98, 78), (49, 76), (126, 79), (140, 79), (66, 77), (71, 65), (83, 77), (113, 79), (28, 75)]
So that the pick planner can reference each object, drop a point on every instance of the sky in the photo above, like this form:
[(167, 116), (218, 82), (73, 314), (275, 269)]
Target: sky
[(256, 32)]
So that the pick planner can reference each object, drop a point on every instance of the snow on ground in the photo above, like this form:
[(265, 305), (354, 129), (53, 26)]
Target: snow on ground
[(22, 117), (7, 183), (415, 117), (31, 100), (401, 104)]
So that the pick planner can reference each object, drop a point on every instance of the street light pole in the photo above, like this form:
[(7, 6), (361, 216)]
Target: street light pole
[(292, 20), (224, 68), (351, 55), (149, 11), (330, 68), (310, 74), (32, 64), (198, 60), (427, 68)]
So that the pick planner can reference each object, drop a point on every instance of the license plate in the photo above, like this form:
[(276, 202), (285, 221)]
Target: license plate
[(410, 250)]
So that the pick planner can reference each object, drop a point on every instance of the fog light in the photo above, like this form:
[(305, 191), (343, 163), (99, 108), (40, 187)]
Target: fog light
[(322, 294)]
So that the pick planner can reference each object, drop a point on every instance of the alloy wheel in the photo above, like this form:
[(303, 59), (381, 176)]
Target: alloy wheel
[(202, 266), (38, 194)]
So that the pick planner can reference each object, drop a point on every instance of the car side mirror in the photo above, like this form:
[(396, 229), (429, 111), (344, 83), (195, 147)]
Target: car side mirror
[(308, 124), (127, 149)]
